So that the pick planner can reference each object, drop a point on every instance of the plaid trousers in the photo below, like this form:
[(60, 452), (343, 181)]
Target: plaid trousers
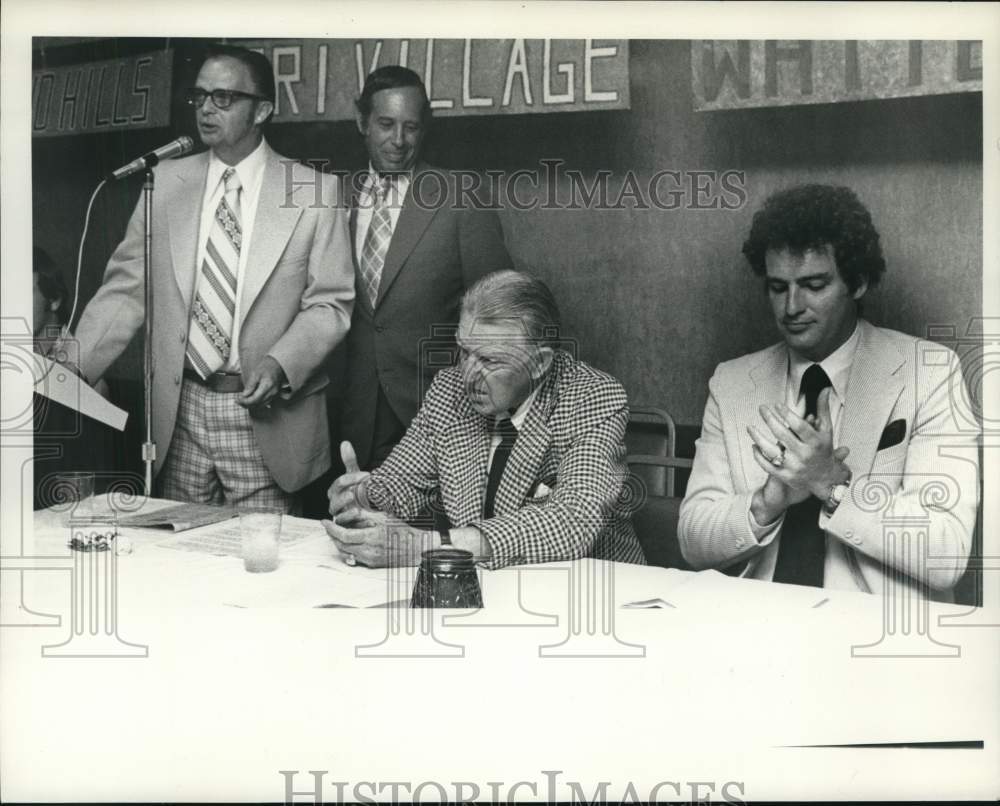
[(214, 458)]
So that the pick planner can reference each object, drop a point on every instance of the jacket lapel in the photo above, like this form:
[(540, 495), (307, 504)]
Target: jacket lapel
[(361, 297), (184, 220), (275, 220), (522, 471), (463, 466), (872, 390), (413, 220)]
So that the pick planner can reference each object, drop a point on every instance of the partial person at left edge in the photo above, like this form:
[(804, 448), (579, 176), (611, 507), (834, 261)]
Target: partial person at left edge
[(64, 440), (253, 287)]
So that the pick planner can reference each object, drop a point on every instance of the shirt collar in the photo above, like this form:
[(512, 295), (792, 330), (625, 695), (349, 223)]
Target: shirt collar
[(400, 181), (250, 169), (837, 365), (518, 417)]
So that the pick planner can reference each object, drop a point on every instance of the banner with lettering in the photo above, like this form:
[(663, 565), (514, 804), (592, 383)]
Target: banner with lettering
[(737, 74), (128, 93), (318, 79)]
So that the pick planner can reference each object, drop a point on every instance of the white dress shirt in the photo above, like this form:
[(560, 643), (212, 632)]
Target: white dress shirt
[(837, 367), (250, 170), (516, 419), (366, 202)]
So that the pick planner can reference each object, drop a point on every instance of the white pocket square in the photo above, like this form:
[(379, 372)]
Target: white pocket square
[(541, 491)]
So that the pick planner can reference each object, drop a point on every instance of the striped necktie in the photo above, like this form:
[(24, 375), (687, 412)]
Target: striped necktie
[(211, 330), (376, 240)]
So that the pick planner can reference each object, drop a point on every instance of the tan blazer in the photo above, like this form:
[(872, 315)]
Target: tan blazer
[(297, 295), (911, 508)]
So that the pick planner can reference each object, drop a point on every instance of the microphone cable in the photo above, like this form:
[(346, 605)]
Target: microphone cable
[(79, 255)]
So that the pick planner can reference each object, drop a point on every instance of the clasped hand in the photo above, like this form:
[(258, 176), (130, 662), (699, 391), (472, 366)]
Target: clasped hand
[(376, 540), (797, 453), (262, 384)]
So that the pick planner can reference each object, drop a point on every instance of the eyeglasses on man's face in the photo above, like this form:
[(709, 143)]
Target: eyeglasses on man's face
[(221, 99)]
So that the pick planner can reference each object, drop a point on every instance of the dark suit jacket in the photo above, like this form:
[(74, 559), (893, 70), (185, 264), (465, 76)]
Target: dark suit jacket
[(437, 252)]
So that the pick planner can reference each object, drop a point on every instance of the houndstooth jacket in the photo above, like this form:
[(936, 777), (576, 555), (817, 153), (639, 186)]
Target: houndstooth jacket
[(560, 497)]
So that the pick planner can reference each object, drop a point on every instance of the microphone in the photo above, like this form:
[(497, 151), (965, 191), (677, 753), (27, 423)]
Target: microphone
[(175, 148)]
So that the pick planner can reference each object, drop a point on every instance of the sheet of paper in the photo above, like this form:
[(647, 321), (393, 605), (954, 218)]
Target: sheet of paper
[(225, 539), (179, 517), (648, 604), (58, 383)]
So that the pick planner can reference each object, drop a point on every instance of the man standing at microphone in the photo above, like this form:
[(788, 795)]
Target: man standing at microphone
[(253, 287)]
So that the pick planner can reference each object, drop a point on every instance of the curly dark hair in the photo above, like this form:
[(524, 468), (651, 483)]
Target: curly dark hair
[(810, 217)]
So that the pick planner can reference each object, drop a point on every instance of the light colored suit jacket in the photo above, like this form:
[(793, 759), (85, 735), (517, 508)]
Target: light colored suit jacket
[(296, 299), (561, 494), (911, 505), (438, 250)]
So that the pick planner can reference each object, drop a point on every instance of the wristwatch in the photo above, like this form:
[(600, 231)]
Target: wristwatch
[(837, 493)]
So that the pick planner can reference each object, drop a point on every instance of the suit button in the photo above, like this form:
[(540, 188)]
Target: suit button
[(849, 534), (379, 328), (740, 542), (183, 337), (177, 380)]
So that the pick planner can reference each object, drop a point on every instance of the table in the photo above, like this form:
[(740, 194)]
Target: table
[(213, 681)]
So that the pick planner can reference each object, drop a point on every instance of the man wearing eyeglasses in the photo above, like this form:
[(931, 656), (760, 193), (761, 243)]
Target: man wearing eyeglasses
[(253, 288)]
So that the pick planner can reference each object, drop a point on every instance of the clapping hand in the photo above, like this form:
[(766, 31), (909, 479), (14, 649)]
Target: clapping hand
[(798, 455), (799, 452)]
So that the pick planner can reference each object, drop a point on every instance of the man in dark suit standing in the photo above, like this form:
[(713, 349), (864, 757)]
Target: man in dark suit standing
[(418, 245)]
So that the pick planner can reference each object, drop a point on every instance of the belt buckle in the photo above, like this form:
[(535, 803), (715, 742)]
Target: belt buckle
[(220, 381)]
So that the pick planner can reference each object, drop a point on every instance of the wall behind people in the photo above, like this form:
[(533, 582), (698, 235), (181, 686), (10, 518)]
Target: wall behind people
[(657, 297), (660, 297)]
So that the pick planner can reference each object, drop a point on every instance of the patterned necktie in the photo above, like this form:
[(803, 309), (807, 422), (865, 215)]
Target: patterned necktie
[(211, 331), (802, 547), (376, 240), (508, 435)]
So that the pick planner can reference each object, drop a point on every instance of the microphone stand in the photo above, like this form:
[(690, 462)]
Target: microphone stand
[(148, 447)]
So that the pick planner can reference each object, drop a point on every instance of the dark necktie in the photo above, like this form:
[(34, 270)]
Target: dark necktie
[(802, 547), (508, 434)]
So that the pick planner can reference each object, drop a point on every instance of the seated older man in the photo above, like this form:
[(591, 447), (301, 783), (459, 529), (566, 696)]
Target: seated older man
[(521, 444)]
